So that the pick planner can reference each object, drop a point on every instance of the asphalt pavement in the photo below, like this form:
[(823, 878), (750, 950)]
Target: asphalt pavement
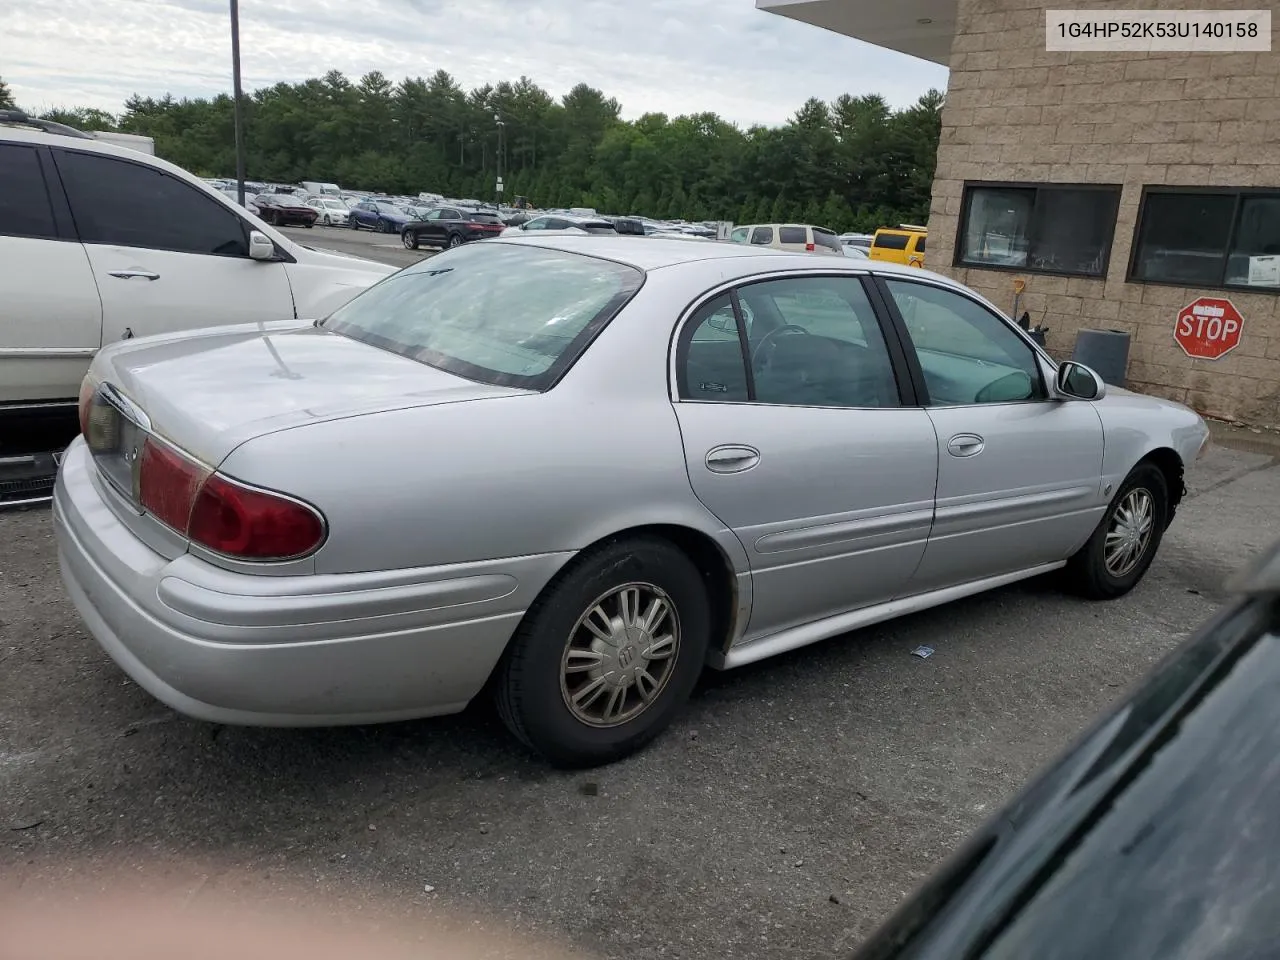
[(385, 247), (783, 816)]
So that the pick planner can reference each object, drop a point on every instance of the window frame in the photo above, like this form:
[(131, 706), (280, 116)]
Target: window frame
[(905, 367), (1239, 193), (921, 387), (966, 204), (208, 193)]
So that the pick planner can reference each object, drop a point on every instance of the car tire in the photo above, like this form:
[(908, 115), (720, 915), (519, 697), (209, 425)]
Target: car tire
[(409, 239), (354, 223), (326, 221), (454, 240), (309, 224), (535, 686), (1106, 566)]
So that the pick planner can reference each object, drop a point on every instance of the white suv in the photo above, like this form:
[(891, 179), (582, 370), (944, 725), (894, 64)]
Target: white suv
[(100, 243)]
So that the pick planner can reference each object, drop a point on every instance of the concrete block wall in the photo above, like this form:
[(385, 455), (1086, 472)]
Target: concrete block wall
[(1016, 112)]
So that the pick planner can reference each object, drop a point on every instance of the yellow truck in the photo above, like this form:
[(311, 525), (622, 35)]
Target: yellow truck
[(901, 244)]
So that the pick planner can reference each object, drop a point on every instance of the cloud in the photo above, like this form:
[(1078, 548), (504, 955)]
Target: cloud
[(673, 56)]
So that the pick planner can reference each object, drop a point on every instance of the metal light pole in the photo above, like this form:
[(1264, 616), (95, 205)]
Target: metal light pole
[(502, 131), (235, 83)]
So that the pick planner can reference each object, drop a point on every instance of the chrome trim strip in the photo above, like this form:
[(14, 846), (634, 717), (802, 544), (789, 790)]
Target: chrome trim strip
[(846, 531), (49, 353)]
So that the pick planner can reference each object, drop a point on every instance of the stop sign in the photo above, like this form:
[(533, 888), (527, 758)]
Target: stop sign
[(1208, 327)]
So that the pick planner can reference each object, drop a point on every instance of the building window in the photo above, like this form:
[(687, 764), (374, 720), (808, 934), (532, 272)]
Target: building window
[(1202, 237), (1047, 228)]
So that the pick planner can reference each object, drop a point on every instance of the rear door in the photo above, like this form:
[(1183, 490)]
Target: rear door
[(50, 311), (801, 438), (1019, 475), (165, 255)]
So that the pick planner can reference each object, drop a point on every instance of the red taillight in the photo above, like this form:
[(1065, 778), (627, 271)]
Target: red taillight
[(87, 389), (252, 524), (221, 515), (809, 247), (168, 483)]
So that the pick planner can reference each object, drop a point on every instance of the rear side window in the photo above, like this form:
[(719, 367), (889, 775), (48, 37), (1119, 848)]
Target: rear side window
[(891, 241), (24, 202), (920, 244), (825, 238), (510, 315), (133, 205), (762, 236), (793, 235)]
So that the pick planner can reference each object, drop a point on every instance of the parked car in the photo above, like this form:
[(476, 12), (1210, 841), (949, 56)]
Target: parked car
[(856, 251), (451, 227), (285, 209), (904, 244), (1154, 835), (379, 215), (856, 240), (794, 237), (101, 242), (628, 226), (332, 211), (563, 223), (319, 188), (227, 541)]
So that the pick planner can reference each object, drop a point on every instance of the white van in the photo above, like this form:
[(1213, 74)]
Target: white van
[(317, 189), (102, 243), (795, 237)]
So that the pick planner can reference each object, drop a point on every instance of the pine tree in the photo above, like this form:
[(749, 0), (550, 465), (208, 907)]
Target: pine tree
[(764, 210), (835, 213), (781, 210), (6, 97)]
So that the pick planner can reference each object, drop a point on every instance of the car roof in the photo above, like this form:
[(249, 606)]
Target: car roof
[(654, 253)]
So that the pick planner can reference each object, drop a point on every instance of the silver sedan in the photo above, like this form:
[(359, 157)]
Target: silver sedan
[(576, 470)]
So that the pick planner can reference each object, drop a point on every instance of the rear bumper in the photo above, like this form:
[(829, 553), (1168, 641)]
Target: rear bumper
[(285, 651)]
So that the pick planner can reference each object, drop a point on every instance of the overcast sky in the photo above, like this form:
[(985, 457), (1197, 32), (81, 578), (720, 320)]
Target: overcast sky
[(674, 56)]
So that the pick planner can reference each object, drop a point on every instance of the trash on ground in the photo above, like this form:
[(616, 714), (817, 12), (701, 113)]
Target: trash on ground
[(924, 653)]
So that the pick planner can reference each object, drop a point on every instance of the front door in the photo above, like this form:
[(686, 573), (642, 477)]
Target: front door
[(166, 256), (807, 452), (1019, 475)]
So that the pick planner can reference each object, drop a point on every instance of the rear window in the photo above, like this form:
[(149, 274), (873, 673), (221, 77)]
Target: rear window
[(503, 314), (598, 227), (484, 218), (920, 244), (825, 238), (891, 241), (793, 235)]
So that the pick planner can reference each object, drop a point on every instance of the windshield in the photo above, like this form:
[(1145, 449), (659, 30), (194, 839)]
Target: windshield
[(498, 313)]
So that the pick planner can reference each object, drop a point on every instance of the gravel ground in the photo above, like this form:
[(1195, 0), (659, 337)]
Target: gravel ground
[(788, 810)]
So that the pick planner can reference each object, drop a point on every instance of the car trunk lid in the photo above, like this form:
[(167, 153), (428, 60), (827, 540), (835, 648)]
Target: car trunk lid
[(206, 394)]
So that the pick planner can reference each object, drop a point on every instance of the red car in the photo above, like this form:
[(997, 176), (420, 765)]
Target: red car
[(284, 209)]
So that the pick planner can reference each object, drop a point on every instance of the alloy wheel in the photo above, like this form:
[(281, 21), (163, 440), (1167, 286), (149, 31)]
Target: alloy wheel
[(620, 655)]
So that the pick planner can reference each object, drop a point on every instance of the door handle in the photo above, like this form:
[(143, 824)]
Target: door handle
[(732, 458), (966, 445), (134, 275)]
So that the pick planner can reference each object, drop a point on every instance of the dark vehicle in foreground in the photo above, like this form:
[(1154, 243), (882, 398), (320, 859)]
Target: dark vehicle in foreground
[(284, 209), (381, 216), (1155, 836), (451, 227)]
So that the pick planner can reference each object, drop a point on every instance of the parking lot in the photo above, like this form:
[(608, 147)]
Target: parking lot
[(782, 816)]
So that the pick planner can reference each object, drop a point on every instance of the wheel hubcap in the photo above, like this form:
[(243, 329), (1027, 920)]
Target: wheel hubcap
[(1130, 532), (620, 655)]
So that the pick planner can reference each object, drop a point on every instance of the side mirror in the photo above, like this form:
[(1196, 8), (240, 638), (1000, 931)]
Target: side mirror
[(1075, 381), (260, 246)]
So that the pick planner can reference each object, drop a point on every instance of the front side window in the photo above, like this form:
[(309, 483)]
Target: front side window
[(1209, 239), (135, 205), (1053, 229), (793, 235), (968, 355), (511, 315), (815, 341), (24, 202), (739, 235), (762, 236)]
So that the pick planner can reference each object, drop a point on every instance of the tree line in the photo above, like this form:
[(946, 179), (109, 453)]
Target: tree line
[(853, 164)]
